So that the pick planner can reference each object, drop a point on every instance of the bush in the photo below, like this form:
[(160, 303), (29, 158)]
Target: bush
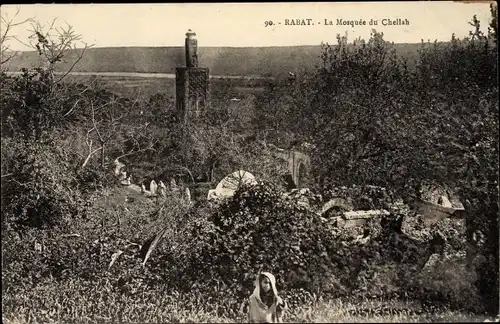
[(256, 229), (84, 248), (40, 192), (260, 228), (449, 283), (216, 250)]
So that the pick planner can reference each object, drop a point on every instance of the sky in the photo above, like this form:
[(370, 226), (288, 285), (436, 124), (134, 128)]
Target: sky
[(243, 24)]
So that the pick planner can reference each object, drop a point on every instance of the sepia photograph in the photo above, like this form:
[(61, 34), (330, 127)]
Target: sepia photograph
[(250, 162)]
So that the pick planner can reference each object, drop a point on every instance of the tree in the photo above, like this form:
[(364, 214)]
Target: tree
[(36, 102), (109, 124), (38, 110), (6, 26), (493, 28), (349, 109), (457, 88), (54, 46)]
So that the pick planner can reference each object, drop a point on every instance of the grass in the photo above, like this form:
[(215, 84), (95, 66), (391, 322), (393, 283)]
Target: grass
[(376, 312), (103, 300), (143, 307)]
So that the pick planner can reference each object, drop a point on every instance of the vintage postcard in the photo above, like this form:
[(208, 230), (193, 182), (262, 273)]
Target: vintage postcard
[(249, 162)]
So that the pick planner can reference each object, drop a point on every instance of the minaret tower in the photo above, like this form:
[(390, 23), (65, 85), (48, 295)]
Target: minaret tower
[(192, 83)]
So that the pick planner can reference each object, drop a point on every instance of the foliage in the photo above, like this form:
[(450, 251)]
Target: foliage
[(76, 300), (371, 120), (260, 228), (467, 120), (29, 108), (207, 251), (446, 282), (41, 188)]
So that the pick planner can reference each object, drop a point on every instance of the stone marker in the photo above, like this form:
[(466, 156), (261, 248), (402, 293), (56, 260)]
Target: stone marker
[(162, 191), (153, 187)]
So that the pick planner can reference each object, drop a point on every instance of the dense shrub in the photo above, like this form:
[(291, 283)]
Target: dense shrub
[(448, 282), (256, 229), (214, 250), (85, 247), (41, 190), (260, 228)]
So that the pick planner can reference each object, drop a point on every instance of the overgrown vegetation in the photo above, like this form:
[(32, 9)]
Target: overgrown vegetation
[(375, 121), (74, 242)]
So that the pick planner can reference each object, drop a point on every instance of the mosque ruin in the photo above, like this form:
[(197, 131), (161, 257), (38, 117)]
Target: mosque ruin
[(191, 83), (193, 98)]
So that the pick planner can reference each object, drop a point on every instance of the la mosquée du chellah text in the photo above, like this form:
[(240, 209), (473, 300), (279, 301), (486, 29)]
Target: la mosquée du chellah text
[(342, 22)]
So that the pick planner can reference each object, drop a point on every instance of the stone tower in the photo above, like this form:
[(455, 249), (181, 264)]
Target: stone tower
[(192, 83)]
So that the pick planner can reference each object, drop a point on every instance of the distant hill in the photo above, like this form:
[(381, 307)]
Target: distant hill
[(241, 61)]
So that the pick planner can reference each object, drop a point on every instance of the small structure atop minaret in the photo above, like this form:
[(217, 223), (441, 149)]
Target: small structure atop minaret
[(191, 49), (192, 83)]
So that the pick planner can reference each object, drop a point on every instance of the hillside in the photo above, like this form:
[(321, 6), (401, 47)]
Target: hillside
[(244, 61)]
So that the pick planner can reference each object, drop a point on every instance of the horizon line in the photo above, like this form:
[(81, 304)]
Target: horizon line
[(228, 46)]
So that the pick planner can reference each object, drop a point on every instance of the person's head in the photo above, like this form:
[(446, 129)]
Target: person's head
[(265, 283)]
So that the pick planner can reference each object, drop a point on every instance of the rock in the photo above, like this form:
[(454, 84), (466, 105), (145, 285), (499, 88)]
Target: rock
[(118, 167), (173, 184)]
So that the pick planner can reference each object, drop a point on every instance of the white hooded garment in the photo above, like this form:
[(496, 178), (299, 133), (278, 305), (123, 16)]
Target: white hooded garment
[(258, 312)]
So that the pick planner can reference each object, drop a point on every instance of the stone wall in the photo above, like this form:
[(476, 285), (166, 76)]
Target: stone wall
[(298, 163)]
